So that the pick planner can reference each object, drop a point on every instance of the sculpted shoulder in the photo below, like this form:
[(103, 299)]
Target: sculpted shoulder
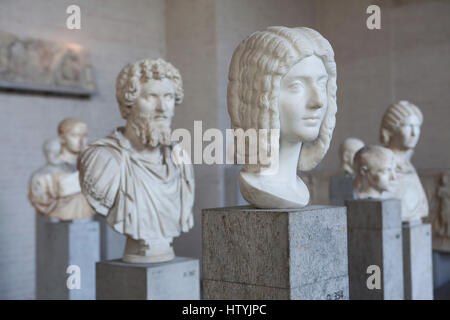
[(98, 155), (99, 167)]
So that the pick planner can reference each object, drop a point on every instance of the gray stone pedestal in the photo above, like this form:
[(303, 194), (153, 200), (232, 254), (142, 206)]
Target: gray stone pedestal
[(375, 239), (60, 245), (441, 268), (417, 261), (275, 254), (112, 243), (341, 189), (177, 279)]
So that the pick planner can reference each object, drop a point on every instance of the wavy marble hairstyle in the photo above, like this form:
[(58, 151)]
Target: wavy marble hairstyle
[(130, 78), (394, 117), (256, 69)]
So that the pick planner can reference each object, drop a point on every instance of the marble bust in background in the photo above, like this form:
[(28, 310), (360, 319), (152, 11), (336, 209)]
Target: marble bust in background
[(347, 152), (374, 168), (283, 79), (400, 131), (54, 190), (133, 175)]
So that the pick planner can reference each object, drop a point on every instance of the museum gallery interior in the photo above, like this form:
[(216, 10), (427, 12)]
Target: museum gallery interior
[(225, 150)]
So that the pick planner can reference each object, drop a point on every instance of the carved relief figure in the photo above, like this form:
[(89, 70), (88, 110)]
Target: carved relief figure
[(54, 190), (400, 131), (40, 65), (347, 152), (283, 79), (133, 176), (374, 168)]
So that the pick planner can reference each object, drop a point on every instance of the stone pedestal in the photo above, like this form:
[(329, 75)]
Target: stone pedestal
[(417, 261), (275, 254), (177, 279), (341, 189), (375, 239), (441, 268), (112, 243), (60, 245), (443, 292)]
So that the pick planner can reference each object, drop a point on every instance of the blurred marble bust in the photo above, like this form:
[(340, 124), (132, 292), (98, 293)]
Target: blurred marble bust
[(54, 190), (347, 152), (374, 168), (283, 80), (133, 176), (400, 131)]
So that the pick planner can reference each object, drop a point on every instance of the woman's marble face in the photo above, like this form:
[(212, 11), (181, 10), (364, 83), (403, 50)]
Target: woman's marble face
[(303, 100), (407, 134)]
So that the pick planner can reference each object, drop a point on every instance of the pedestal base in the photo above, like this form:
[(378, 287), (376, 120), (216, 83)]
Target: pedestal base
[(417, 261), (443, 292), (275, 254), (341, 189), (142, 251), (375, 239), (441, 268), (332, 289), (64, 244), (177, 279)]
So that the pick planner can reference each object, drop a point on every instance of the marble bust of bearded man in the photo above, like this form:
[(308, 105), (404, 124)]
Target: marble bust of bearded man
[(135, 176)]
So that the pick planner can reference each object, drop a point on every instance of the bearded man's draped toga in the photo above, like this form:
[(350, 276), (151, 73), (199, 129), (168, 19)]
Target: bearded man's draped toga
[(141, 199)]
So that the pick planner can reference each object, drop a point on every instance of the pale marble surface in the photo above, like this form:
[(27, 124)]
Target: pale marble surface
[(283, 80), (400, 132), (347, 152), (375, 176), (54, 190), (133, 176)]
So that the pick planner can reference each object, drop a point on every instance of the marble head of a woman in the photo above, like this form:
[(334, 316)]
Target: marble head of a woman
[(283, 79)]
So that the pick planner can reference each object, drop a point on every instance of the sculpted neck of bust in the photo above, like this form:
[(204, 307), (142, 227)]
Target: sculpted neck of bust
[(68, 157)]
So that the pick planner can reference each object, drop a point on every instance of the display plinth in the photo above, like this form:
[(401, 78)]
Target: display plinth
[(417, 261), (341, 189), (60, 245), (253, 253), (112, 243), (177, 279), (441, 268), (375, 239)]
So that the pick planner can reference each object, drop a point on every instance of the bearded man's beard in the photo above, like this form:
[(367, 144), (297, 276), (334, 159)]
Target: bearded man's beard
[(150, 132)]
